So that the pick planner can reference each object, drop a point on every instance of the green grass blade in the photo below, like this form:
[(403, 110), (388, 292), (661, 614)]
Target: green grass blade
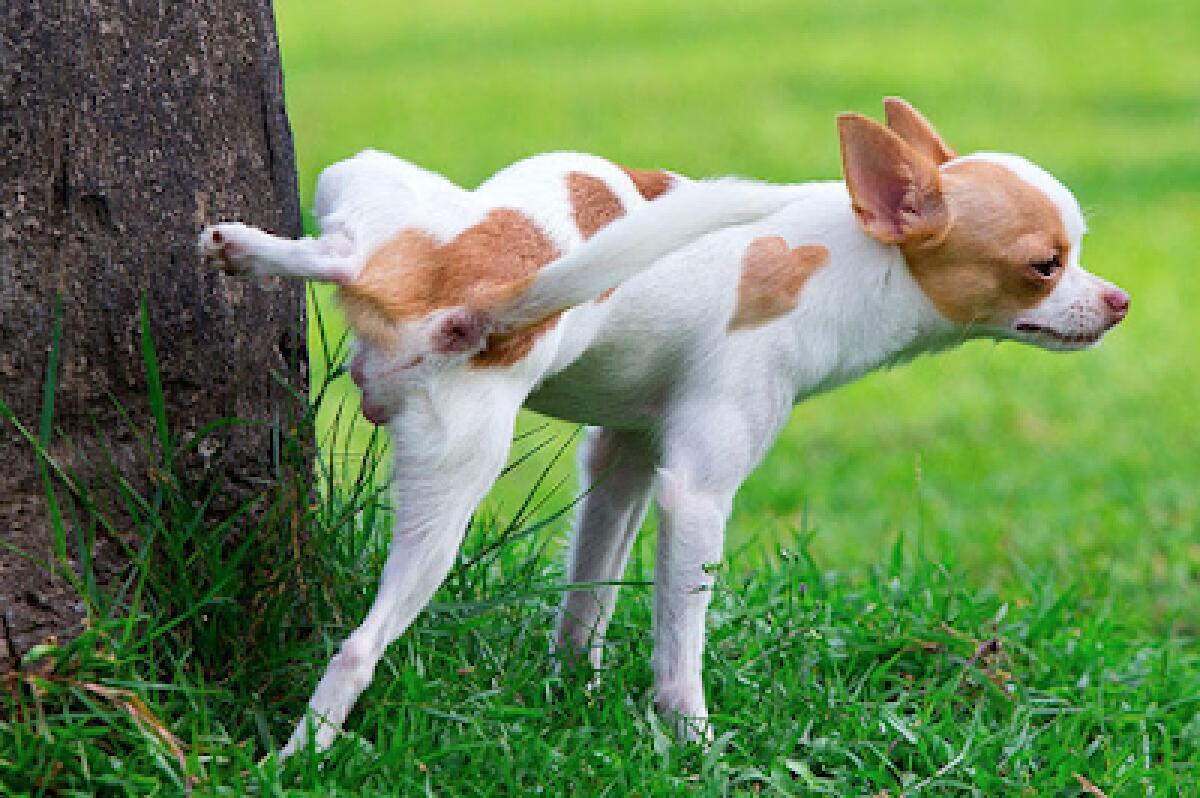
[(154, 388), (45, 433)]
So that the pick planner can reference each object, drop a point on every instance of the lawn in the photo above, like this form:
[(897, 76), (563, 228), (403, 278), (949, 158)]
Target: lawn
[(1086, 465), (978, 574)]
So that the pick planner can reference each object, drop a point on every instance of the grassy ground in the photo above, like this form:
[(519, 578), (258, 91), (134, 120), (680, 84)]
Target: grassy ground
[(976, 575), (1087, 464)]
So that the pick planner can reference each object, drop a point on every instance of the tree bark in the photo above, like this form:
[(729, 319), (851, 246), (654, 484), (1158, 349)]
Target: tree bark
[(124, 128)]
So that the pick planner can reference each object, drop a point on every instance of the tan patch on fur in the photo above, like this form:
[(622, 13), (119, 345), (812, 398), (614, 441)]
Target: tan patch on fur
[(413, 274), (978, 271), (370, 304), (650, 183), (507, 348), (593, 204), (772, 276)]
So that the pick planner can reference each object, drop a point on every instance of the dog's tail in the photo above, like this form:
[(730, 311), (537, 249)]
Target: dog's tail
[(634, 242)]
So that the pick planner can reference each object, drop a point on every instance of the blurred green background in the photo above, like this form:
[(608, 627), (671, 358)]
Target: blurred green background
[(1005, 460)]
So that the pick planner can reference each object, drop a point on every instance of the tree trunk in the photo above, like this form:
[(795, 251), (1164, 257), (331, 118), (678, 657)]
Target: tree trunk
[(124, 128)]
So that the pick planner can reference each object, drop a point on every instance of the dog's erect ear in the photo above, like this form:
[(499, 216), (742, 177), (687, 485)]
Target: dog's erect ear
[(896, 191), (910, 125)]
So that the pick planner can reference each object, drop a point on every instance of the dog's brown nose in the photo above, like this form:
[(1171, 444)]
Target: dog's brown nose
[(1117, 302)]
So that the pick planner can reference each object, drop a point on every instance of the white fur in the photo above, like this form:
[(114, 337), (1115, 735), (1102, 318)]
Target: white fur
[(682, 408), (628, 246)]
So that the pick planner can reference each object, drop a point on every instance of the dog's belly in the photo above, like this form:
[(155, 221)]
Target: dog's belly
[(621, 362), (622, 372), (607, 387)]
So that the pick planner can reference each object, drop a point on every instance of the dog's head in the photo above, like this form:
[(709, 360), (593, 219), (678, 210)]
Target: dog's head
[(992, 240)]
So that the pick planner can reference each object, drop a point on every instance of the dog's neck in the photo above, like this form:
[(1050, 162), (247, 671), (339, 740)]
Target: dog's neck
[(863, 309)]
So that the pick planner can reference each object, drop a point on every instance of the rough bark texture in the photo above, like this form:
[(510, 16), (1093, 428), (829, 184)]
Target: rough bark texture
[(124, 127)]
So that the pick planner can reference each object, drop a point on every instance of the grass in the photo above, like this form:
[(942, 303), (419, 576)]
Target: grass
[(904, 679), (977, 575), (1085, 465)]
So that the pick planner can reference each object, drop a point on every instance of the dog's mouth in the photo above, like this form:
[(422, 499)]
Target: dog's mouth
[(1076, 340)]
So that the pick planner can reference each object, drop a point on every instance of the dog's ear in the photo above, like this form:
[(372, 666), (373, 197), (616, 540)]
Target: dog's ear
[(910, 125), (896, 191)]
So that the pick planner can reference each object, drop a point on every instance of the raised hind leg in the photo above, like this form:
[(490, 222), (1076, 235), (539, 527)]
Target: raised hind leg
[(241, 249)]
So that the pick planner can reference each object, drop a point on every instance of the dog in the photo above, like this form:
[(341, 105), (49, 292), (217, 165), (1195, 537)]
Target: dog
[(680, 319)]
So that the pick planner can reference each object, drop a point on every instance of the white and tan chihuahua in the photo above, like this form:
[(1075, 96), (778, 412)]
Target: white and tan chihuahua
[(681, 319)]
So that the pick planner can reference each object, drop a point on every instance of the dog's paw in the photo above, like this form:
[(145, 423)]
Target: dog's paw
[(688, 730), (318, 734), (687, 717), (226, 247)]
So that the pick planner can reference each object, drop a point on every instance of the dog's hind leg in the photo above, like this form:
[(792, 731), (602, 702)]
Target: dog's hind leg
[(617, 467), (449, 445), (238, 248)]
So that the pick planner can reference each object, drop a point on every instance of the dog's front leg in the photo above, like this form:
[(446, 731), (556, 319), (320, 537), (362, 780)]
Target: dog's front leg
[(709, 447), (445, 459), (616, 468), (691, 532)]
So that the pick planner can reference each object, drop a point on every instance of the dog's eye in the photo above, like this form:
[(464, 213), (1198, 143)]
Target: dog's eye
[(1047, 268)]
